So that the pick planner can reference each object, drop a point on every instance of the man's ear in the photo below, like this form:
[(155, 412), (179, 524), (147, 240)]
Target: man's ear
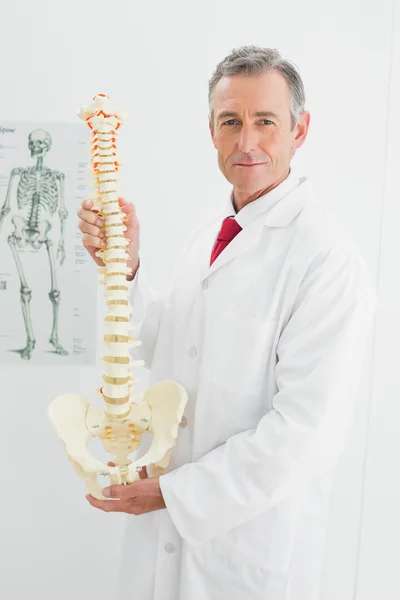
[(301, 129)]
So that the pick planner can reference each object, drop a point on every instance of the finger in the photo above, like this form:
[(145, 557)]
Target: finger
[(123, 202), (89, 241), (127, 207), (143, 473), (107, 505), (130, 490), (90, 229), (87, 203), (90, 217)]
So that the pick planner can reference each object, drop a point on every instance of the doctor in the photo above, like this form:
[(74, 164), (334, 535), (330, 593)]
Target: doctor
[(265, 322)]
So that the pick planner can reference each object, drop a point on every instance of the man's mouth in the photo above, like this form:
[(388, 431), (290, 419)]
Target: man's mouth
[(248, 164)]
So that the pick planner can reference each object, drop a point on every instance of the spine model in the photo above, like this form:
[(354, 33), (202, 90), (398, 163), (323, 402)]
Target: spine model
[(126, 415), (104, 121)]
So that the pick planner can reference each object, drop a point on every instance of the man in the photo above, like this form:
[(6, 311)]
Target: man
[(265, 322)]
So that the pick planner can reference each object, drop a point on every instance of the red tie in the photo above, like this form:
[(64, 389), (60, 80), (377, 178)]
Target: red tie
[(230, 228)]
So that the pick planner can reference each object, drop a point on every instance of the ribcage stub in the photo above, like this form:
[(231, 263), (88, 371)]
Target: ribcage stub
[(38, 187)]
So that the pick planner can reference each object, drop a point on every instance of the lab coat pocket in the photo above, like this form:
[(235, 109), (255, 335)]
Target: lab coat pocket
[(237, 348), (265, 542)]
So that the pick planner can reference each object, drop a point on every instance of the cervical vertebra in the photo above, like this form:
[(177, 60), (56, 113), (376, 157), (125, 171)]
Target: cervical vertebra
[(126, 415)]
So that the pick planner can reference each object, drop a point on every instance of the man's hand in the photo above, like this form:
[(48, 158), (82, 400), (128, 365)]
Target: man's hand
[(91, 226), (136, 498)]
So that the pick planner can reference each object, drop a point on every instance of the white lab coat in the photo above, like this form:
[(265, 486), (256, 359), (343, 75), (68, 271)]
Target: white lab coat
[(270, 344)]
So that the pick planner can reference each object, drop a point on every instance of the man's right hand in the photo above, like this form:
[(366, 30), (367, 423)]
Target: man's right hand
[(93, 237)]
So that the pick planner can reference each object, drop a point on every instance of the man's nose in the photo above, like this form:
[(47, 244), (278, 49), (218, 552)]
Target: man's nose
[(248, 140)]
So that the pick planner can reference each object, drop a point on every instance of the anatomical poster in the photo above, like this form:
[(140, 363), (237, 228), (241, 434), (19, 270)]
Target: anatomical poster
[(48, 282)]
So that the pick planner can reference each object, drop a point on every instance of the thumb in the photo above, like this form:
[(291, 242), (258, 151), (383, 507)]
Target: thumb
[(125, 205), (143, 473)]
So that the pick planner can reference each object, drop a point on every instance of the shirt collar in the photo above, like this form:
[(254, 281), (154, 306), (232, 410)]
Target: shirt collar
[(264, 203)]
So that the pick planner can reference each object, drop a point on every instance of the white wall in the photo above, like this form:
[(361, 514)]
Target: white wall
[(380, 532), (155, 60)]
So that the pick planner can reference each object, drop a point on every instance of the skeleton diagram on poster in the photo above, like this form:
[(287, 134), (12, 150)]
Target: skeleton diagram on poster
[(48, 283)]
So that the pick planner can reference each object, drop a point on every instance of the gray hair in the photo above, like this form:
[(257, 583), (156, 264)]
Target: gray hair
[(252, 61)]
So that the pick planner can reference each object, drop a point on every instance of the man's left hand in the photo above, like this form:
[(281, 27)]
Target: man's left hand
[(136, 498)]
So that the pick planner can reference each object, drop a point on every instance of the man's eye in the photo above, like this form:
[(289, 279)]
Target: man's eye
[(232, 121)]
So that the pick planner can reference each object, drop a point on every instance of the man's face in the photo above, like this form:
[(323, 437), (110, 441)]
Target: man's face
[(252, 124)]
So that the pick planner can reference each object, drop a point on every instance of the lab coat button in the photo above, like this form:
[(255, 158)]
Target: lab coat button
[(204, 285), (183, 422), (192, 352), (170, 548)]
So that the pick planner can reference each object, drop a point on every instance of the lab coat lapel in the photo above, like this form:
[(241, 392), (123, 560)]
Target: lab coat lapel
[(242, 242), (280, 215)]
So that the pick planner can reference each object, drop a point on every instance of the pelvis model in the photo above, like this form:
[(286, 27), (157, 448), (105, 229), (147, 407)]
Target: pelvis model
[(127, 414)]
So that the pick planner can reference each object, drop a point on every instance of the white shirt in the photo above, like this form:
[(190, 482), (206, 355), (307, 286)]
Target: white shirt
[(264, 203)]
